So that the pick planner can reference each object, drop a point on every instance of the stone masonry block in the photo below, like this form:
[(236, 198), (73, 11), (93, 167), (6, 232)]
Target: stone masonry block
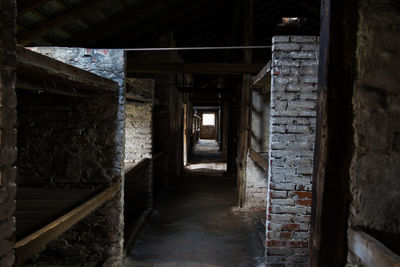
[(303, 39), (280, 39)]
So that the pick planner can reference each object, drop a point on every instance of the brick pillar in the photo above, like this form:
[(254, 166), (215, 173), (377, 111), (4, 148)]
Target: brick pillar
[(8, 136), (291, 144)]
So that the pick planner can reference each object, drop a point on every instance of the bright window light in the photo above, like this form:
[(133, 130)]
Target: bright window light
[(209, 119)]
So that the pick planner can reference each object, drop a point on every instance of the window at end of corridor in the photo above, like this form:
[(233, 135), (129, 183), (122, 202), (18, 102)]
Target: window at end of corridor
[(208, 119)]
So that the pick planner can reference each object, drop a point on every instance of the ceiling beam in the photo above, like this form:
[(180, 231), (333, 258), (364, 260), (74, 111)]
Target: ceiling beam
[(199, 68), (48, 25)]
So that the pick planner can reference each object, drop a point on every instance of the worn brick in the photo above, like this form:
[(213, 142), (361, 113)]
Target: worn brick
[(292, 130)]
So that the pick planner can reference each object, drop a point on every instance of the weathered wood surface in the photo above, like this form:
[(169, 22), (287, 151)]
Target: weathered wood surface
[(204, 68), (40, 67), (263, 78), (36, 241), (259, 159), (370, 251)]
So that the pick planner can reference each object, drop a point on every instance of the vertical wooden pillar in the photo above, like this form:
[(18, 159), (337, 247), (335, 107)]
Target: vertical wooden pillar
[(244, 137)]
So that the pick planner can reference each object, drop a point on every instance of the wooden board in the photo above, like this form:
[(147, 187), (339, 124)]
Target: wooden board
[(371, 252), (36, 241)]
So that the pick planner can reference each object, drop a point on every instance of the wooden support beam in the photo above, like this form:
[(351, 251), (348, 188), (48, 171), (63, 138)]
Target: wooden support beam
[(203, 68), (48, 25), (260, 80), (370, 251), (245, 104), (260, 160), (38, 66), (34, 243)]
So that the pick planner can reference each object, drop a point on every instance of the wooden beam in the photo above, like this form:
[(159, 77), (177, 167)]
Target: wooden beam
[(261, 76), (370, 251), (34, 243), (245, 105), (260, 160), (38, 66), (50, 87), (203, 68), (48, 25)]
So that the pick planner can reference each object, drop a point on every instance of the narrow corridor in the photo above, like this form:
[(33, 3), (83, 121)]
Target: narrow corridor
[(194, 226)]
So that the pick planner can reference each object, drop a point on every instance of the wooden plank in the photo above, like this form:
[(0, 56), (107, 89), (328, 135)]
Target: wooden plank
[(203, 68), (131, 168), (48, 25), (260, 160), (370, 251), (35, 242), (38, 66)]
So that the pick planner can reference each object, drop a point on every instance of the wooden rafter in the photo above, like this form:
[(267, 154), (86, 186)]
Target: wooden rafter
[(48, 25)]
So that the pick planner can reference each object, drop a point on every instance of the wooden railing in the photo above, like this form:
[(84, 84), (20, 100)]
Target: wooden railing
[(35, 242)]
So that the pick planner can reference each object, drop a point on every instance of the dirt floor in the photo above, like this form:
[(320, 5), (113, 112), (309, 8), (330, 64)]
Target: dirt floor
[(193, 225)]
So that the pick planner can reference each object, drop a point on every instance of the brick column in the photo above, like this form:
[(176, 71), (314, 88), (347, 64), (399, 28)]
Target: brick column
[(291, 144), (8, 153)]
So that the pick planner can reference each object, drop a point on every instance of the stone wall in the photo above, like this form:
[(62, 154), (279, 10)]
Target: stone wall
[(8, 153), (138, 131), (78, 143), (375, 168), (292, 137)]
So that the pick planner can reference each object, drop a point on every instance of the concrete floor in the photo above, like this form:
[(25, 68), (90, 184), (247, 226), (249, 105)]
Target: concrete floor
[(193, 226), (206, 158)]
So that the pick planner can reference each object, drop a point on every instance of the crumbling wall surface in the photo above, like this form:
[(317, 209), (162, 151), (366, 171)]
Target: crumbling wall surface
[(138, 129), (256, 186), (8, 152), (78, 143), (291, 145), (256, 177), (375, 170)]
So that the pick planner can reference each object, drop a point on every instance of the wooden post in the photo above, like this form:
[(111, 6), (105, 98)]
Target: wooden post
[(245, 120)]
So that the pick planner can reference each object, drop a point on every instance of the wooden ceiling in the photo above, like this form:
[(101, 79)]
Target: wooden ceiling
[(140, 23)]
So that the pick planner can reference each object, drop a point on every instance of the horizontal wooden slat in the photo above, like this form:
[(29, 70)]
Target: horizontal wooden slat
[(204, 68), (40, 67), (131, 168), (35, 242), (263, 163), (371, 252)]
